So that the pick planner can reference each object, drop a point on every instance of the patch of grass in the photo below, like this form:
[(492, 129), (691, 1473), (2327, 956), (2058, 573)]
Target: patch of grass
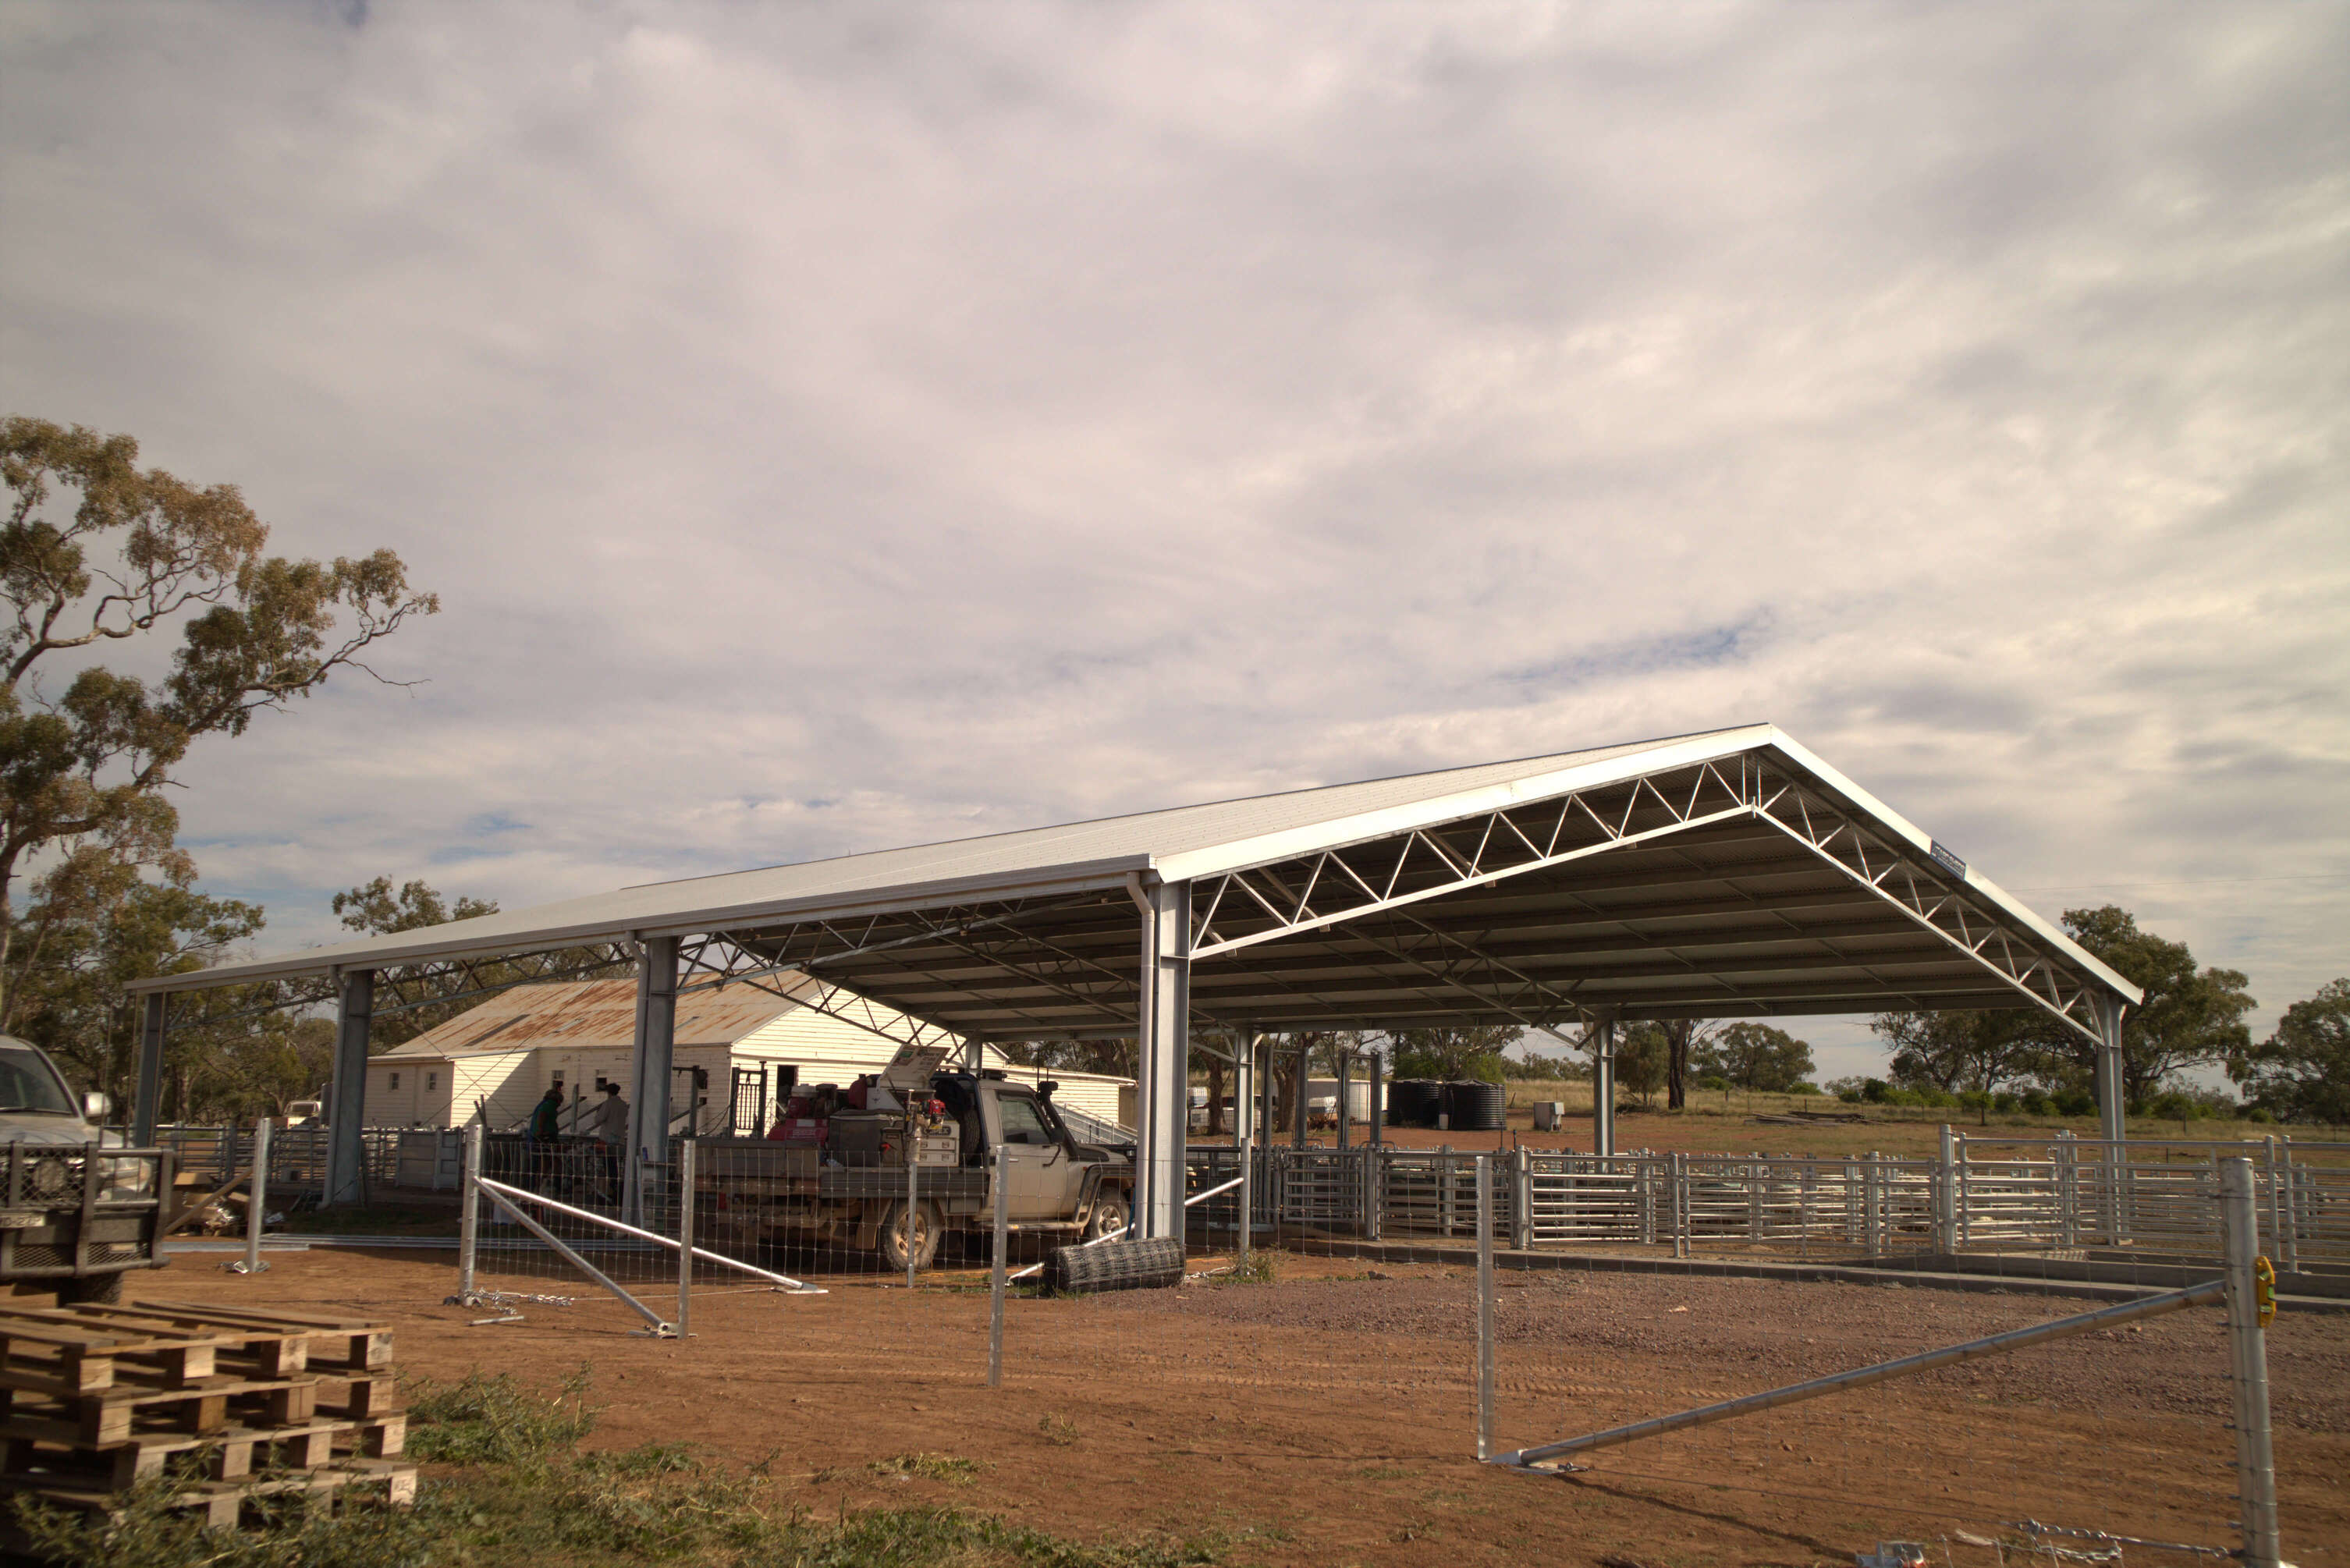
[(1259, 1268), (585, 1519), (652, 1459), (549, 1504), (494, 1420), (1058, 1431), (952, 1468)]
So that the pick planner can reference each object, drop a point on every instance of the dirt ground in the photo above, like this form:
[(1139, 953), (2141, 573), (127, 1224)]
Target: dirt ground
[(1328, 1417)]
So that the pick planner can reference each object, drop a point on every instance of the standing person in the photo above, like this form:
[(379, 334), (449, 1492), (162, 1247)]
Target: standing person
[(611, 1130), (545, 1132)]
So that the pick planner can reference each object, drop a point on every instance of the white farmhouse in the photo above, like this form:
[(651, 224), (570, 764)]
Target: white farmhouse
[(738, 1051)]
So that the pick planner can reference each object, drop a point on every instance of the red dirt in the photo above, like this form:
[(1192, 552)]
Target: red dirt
[(1328, 1418)]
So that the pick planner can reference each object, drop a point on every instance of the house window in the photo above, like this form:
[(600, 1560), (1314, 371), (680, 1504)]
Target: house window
[(395, 1080), (431, 1082)]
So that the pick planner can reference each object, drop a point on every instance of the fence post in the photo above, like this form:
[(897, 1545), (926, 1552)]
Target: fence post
[(1521, 1218), (1247, 1204), (1374, 1187), (2068, 1192), (913, 1197), (1946, 1197), (1962, 1197), (1680, 1205), (256, 1207), (1484, 1306), (2290, 1229), (2255, 1458), (469, 1211), (996, 1274), (1872, 1203), (685, 1233)]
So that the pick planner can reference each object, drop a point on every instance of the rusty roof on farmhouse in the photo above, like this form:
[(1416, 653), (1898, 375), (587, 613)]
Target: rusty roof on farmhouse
[(591, 1013)]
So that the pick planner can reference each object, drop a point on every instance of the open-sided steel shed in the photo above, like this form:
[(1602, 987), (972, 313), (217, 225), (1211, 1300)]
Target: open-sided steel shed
[(1729, 874)]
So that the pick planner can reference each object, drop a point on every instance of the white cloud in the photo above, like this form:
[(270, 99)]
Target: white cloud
[(832, 429)]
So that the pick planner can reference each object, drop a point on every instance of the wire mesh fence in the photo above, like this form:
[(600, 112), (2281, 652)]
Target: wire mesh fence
[(1324, 1274), (1988, 1425)]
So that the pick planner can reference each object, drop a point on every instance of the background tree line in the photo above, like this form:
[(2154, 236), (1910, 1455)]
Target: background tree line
[(2193, 1017)]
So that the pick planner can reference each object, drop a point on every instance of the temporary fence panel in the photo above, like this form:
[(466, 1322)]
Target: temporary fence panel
[(2065, 1432)]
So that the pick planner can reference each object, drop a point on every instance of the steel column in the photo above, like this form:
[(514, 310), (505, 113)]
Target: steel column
[(2113, 1091), (150, 1089), (1378, 1082), (649, 1060), (1163, 1114), (256, 1202), (346, 1099), (1603, 1088)]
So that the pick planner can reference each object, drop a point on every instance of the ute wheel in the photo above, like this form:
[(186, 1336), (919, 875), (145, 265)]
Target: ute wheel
[(1108, 1216), (892, 1241), (98, 1290)]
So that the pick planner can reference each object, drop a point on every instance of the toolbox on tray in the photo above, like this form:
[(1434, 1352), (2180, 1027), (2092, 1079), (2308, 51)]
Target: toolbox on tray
[(879, 1138)]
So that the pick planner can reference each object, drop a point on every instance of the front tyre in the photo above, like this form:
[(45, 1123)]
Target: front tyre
[(1108, 1217)]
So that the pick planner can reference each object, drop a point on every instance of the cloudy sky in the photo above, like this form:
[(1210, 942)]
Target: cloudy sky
[(834, 427)]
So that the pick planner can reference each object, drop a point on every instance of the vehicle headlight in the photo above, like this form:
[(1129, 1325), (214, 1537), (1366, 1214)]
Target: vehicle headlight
[(50, 1179), (121, 1179)]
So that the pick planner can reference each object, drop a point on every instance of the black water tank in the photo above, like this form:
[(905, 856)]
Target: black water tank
[(1477, 1107), (1411, 1103)]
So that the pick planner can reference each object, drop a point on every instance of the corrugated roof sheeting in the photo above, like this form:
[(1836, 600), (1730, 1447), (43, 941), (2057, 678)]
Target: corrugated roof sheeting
[(593, 1013), (1099, 850)]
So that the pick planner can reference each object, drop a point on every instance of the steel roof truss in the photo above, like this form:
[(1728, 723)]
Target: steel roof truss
[(1459, 872), (732, 964), (1994, 948)]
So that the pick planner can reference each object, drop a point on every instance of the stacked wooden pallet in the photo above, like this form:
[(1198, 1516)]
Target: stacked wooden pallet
[(95, 1398)]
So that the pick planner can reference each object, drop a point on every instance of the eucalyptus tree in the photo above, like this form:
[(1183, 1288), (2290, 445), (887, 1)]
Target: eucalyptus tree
[(99, 554)]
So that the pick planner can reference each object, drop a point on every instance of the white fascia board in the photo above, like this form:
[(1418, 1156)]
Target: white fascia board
[(416, 947), (1342, 832), (1894, 822)]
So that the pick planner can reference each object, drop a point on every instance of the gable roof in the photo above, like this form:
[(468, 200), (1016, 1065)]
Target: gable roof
[(1753, 907), (590, 1013)]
